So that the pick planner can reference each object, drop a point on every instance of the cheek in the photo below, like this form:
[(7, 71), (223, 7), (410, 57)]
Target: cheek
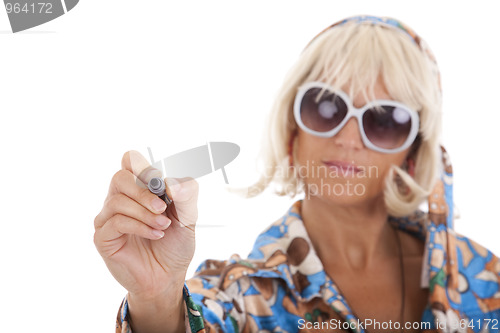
[(381, 170), (381, 167), (307, 148)]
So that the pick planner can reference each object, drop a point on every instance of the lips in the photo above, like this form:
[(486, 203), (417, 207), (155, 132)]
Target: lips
[(344, 167)]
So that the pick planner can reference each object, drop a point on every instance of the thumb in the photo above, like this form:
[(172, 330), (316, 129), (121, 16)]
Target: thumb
[(184, 194)]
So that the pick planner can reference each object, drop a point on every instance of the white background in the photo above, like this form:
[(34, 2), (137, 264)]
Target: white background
[(110, 76)]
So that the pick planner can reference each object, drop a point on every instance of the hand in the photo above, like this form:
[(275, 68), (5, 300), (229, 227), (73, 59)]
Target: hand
[(147, 249)]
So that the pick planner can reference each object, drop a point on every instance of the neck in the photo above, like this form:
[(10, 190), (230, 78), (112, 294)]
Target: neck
[(358, 235)]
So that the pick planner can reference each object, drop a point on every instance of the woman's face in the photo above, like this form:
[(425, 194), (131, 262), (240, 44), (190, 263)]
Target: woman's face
[(341, 169)]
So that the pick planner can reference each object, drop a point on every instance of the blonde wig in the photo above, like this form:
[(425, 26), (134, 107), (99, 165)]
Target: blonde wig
[(356, 55)]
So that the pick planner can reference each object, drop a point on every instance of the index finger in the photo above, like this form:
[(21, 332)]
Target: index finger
[(134, 162)]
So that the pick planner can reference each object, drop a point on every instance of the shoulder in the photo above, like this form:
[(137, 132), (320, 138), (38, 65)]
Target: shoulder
[(283, 243), (473, 256), (476, 262), (478, 276)]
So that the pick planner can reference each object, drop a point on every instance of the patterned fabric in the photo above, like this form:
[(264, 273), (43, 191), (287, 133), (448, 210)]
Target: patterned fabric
[(282, 284)]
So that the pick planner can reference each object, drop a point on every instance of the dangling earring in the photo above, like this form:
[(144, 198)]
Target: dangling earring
[(290, 148)]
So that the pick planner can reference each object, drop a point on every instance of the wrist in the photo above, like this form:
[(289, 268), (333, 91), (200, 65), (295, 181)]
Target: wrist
[(162, 312), (171, 292)]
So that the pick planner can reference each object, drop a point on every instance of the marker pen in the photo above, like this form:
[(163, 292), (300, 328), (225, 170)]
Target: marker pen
[(157, 186)]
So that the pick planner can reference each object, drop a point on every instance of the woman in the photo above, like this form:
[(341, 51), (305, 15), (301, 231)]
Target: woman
[(356, 127)]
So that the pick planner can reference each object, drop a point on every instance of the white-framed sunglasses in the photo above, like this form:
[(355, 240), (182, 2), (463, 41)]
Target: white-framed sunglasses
[(386, 126)]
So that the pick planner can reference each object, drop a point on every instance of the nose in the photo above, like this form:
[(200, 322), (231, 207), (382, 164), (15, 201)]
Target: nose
[(349, 137)]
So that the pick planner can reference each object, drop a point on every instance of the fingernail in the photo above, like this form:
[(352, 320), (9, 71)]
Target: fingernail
[(162, 220), (158, 233), (158, 204)]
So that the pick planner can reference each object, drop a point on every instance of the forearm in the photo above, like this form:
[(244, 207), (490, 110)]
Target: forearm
[(161, 314)]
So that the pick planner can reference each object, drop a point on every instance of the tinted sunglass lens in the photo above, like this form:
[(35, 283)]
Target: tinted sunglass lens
[(322, 111), (387, 127)]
